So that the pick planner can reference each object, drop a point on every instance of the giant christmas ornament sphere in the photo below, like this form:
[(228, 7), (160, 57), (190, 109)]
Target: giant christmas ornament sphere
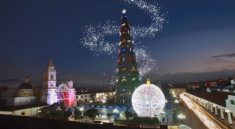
[(148, 100)]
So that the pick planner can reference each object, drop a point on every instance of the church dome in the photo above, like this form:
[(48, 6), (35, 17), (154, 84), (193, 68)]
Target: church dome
[(25, 86), (25, 89)]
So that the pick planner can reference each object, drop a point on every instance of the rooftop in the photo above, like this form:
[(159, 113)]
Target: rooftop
[(215, 97), (94, 90), (25, 86)]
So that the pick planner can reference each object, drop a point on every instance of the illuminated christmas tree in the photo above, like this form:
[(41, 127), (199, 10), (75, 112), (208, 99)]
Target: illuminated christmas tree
[(128, 75)]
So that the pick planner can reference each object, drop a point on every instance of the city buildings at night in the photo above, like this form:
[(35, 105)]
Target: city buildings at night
[(104, 55)]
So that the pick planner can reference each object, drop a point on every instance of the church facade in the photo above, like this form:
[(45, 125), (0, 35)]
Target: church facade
[(64, 92)]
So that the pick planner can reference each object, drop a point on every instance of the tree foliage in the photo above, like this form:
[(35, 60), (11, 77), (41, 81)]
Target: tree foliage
[(91, 113), (55, 111), (77, 114), (128, 114)]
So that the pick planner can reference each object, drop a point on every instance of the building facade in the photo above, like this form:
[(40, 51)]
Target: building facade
[(24, 95), (95, 96), (230, 103), (84, 98), (219, 103), (56, 94)]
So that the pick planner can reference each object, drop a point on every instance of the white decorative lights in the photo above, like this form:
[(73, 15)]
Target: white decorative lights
[(123, 11), (148, 100)]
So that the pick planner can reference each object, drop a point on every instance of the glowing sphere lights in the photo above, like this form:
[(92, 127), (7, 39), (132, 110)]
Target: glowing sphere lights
[(148, 100)]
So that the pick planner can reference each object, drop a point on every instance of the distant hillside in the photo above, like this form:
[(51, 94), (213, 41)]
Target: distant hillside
[(186, 77)]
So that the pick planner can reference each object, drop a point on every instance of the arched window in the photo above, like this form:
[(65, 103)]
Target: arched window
[(52, 77)]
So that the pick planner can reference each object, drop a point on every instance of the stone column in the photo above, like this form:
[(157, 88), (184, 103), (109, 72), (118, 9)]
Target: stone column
[(208, 106), (229, 118), (204, 105), (222, 113), (211, 107), (216, 111)]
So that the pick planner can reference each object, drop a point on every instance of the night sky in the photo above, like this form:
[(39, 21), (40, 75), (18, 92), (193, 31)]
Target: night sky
[(199, 36)]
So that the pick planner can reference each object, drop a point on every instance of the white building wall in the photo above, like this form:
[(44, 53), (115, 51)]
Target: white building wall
[(23, 112), (19, 101), (230, 103), (6, 112), (51, 96), (27, 111)]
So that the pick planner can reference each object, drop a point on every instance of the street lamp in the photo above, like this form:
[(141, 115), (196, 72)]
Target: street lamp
[(38, 112), (103, 101), (115, 111), (58, 109), (81, 109), (181, 117), (177, 101)]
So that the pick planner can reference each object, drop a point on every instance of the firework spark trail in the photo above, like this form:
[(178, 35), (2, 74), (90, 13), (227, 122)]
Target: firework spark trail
[(157, 19), (146, 64), (95, 36)]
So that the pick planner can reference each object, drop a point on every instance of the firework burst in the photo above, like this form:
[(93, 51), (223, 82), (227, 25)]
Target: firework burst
[(96, 36)]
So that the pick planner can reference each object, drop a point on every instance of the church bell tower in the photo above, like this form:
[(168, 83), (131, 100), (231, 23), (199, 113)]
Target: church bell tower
[(49, 85), (49, 81)]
